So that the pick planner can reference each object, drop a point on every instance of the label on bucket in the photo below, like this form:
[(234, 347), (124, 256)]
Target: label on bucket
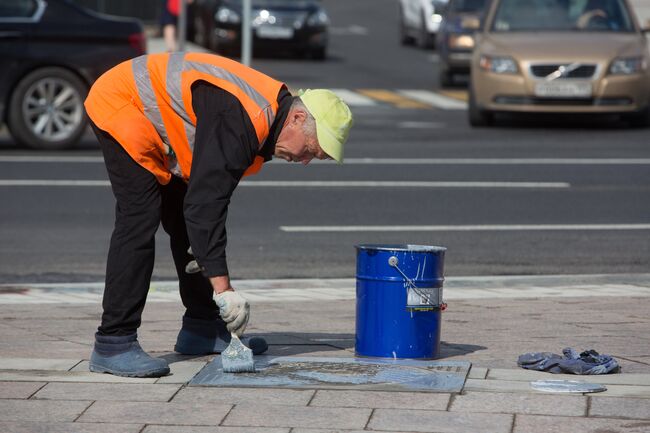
[(422, 299)]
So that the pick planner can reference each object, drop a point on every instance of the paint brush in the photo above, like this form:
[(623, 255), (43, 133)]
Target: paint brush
[(237, 358)]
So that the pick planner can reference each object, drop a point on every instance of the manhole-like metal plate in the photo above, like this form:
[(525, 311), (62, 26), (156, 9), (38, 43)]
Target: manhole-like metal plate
[(341, 373)]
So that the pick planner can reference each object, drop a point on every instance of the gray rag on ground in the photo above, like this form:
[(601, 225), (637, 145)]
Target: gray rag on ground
[(587, 362)]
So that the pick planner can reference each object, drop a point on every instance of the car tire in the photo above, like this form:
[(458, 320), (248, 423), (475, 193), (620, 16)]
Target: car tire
[(640, 119), (46, 109), (446, 78), (319, 53), (404, 37), (424, 41), (477, 117)]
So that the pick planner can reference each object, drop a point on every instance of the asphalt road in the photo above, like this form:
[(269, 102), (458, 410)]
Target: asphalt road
[(556, 196)]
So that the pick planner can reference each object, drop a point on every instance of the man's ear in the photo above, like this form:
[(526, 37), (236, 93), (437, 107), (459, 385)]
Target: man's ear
[(298, 116)]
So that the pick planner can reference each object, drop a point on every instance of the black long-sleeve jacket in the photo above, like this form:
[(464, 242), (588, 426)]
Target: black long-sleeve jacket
[(225, 146)]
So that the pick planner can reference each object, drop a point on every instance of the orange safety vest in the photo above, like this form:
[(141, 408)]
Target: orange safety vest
[(146, 105)]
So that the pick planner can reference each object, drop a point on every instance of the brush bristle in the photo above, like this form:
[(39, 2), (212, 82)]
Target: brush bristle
[(237, 358)]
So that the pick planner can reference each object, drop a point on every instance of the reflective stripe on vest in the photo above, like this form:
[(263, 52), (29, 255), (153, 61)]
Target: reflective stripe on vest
[(176, 65)]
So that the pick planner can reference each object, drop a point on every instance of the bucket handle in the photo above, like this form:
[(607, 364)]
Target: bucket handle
[(393, 261)]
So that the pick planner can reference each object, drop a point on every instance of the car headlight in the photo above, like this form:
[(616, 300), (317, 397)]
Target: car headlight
[(227, 15), (437, 6), (319, 19), (499, 65), (461, 42), (627, 66)]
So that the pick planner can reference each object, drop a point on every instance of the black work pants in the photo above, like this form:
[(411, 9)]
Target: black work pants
[(142, 204)]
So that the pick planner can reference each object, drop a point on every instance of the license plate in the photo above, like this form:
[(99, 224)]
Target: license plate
[(268, 32), (563, 90)]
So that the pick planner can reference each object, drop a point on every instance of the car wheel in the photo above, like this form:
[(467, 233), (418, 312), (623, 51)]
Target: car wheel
[(46, 109), (319, 53), (478, 117), (404, 37), (640, 119), (425, 40), (446, 78)]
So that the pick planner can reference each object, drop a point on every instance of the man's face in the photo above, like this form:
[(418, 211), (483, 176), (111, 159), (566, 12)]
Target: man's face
[(293, 144)]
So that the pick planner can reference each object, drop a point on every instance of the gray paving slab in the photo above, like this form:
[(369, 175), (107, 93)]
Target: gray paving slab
[(68, 376), (636, 408), (379, 399), (67, 427), (477, 373), (196, 429), (497, 385), (291, 416), (556, 424), (318, 430), (19, 389), (41, 410), (440, 422), (530, 375), (290, 397), (538, 404), (624, 391), (107, 391), (37, 364), (38, 348), (156, 413), (182, 372)]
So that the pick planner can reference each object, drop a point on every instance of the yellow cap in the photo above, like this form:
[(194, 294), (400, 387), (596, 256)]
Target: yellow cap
[(333, 120)]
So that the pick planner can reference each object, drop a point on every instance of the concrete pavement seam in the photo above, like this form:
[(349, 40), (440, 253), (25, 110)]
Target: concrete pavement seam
[(36, 392), (226, 415), (176, 393), (74, 366), (514, 423), (588, 407), (313, 396), (372, 413), (84, 411)]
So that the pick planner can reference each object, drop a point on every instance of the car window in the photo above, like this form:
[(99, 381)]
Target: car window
[(468, 5), (17, 8), (562, 15)]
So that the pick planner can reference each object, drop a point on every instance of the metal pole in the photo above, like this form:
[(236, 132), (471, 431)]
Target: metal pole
[(182, 25), (246, 32)]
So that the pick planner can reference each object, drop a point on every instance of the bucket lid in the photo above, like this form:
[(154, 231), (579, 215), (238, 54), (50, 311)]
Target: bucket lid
[(402, 247)]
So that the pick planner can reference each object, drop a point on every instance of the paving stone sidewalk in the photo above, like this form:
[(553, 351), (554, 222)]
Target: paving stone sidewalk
[(45, 385)]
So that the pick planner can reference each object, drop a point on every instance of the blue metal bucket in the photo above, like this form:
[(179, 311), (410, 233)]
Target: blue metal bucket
[(399, 300)]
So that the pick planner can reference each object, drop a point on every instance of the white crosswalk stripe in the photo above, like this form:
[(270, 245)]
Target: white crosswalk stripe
[(354, 98), (434, 99), (297, 290)]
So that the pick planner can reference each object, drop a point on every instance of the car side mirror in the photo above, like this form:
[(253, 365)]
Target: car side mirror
[(471, 23)]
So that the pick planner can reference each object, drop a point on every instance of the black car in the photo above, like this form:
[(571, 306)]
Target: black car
[(455, 42), (52, 51), (295, 26)]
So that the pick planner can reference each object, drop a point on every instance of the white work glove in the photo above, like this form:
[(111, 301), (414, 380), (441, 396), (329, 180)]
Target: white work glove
[(234, 310), (193, 266)]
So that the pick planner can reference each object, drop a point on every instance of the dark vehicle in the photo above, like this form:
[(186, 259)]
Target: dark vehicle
[(52, 51), (455, 42), (296, 26)]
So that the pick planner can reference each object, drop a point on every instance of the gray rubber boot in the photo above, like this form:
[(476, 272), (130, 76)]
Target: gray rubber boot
[(123, 356), (203, 337)]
